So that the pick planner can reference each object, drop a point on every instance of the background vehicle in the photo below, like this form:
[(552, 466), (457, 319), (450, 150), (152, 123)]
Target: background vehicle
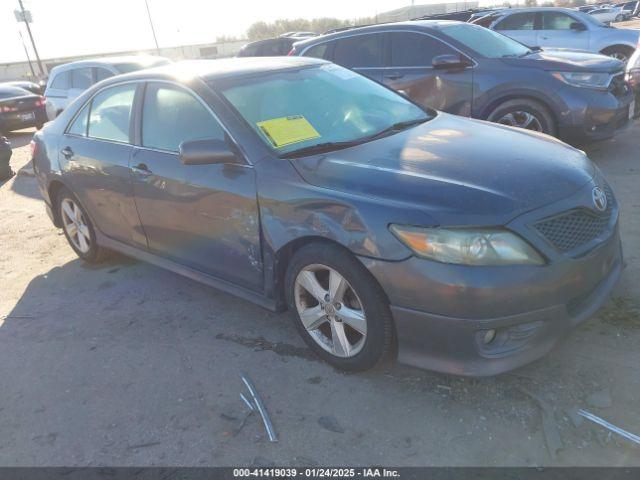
[(299, 35), (564, 28), (296, 183), (610, 14), (5, 156), (272, 47), (25, 85), (465, 69), (633, 77), (20, 108), (68, 81)]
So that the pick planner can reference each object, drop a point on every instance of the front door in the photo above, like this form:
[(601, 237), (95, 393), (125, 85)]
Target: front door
[(556, 32), (409, 71), (202, 216)]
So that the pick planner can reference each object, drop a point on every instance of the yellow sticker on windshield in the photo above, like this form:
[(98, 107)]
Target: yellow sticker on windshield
[(287, 130)]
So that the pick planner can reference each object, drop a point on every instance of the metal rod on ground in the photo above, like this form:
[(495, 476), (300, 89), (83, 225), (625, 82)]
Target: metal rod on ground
[(261, 408), (246, 400), (609, 426)]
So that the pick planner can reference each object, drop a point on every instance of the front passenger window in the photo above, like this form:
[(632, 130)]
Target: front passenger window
[(111, 113), (171, 116)]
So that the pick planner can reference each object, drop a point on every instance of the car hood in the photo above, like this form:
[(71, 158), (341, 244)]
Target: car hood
[(567, 61), (457, 170)]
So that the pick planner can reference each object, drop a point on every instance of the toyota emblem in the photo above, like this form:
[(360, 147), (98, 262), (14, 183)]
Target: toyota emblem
[(599, 199)]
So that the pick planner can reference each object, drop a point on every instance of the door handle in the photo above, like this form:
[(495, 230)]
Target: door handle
[(141, 169), (393, 76), (67, 152)]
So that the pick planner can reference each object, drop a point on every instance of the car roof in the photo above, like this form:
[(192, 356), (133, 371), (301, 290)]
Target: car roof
[(538, 9), (110, 61), (220, 68), (408, 25)]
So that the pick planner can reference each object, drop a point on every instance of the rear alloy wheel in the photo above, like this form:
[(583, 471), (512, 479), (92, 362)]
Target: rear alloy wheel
[(78, 229), (524, 113), (621, 53), (338, 307)]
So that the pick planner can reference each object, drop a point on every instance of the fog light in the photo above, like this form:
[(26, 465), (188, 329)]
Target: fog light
[(489, 335)]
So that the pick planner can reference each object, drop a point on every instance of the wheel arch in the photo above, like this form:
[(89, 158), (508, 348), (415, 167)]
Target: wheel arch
[(52, 191), (495, 103), (618, 46)]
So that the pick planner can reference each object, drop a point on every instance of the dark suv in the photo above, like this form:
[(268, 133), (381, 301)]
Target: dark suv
[(469, 70)]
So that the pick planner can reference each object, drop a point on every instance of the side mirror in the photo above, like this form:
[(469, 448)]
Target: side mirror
[(449, 61), (206, 152), (578, 27)]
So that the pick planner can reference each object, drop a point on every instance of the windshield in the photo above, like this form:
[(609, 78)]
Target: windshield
[(10, 92), (296, 109), (486, 42)]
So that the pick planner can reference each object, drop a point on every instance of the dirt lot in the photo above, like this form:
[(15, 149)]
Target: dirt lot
[(128, 364)]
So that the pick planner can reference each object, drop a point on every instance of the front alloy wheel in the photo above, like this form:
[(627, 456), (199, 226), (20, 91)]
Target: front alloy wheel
[(330, 310), (522, 119)]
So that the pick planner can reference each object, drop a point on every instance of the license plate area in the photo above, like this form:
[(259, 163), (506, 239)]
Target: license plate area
[(25, 117)]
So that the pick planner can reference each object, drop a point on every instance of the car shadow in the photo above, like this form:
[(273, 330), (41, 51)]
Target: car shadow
[(20, 138)]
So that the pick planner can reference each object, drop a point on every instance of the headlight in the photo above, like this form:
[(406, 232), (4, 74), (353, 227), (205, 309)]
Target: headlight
[(468, 246), (585, 79)]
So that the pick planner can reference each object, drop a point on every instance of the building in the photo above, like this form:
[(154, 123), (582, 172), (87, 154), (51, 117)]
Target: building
[(415, 11), (21, 70)]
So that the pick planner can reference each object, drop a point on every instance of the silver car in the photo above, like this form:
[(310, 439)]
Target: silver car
[(563, 28), (68, 81)]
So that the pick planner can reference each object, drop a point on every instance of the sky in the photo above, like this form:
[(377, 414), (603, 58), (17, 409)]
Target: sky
[(74, 27)]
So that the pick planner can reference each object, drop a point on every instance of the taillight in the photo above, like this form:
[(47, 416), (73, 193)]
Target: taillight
[(41, 102), (291, 53), (6, 109)]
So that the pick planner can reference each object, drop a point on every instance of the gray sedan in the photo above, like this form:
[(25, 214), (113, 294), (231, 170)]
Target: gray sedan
[(462, 246)]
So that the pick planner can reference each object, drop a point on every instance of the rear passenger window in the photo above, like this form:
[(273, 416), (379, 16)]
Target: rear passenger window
[(415, 49), (79, 125), (111, 113), (102, 73), (81, 78), (318, 51), (359, 51), (557, 21), (517, 21), (171, 116), (61, 81)]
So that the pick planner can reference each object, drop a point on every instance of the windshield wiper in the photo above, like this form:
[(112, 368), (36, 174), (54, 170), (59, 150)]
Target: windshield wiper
[(332, 146)]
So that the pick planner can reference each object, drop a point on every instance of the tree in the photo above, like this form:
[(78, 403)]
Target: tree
[(530, 3)]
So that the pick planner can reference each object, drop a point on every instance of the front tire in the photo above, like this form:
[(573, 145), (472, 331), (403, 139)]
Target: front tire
[(78, 228), (524, 113), (619, 52), (338, 308)]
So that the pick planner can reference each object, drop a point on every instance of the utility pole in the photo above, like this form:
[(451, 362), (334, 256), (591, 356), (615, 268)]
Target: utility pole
[(33, 43), (26, 52), (153, 30)]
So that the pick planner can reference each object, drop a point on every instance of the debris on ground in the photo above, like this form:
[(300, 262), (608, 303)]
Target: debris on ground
[(330, 423), (600, 399), (551, 434)]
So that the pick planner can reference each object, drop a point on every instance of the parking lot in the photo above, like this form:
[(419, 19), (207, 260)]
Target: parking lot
[(128, 364)]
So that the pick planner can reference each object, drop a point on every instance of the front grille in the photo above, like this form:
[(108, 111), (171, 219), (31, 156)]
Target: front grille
[(575, 228), (619, 86)]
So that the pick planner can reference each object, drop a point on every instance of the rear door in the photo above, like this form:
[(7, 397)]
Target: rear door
[(95, 151), (202, 216), (362, 53), (520, 27), (555, 31), (58, 90), (409, 70)]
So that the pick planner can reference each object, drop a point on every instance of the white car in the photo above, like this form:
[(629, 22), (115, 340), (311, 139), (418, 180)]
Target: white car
[(552, 27), (609, 14), (68, 81)]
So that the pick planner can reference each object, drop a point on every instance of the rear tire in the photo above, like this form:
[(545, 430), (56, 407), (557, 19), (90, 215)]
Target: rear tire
[(524, 113), (355, 330), (78, 229)]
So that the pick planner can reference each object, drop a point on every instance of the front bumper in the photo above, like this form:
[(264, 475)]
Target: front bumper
[(442, 312), (593, 115)]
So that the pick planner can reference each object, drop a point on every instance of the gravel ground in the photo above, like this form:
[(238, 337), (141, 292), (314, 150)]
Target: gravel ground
[(127, 364)]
